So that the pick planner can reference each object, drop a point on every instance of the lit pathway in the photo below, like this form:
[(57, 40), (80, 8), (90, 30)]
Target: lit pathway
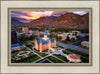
[(61, 52), (41, 58)]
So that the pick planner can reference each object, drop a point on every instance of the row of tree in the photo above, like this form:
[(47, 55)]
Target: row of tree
[(24, 38)]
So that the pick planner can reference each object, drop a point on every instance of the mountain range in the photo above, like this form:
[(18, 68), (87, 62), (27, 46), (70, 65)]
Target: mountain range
[(15, 21), (68, 20)]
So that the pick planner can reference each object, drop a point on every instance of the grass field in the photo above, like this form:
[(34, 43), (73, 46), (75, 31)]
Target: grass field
[(41, 54), (29, 59), (54, 59), (28, 43), (62, 57)]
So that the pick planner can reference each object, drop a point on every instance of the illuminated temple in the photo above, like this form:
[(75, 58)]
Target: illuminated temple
[(44, 43)]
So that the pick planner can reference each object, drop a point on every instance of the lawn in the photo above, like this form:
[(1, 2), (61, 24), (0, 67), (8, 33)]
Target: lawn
[(67, 52), (78, 53), (41, 54), (62, 57), (29, 46), (28, 43), (45, 50), (85, 60), (54, 59), (29, 59)]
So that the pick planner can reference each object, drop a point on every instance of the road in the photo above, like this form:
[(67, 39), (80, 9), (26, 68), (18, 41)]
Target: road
[(79, 42), (73, 47)]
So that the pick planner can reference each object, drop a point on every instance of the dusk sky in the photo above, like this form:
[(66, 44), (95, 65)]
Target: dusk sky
[(27, 16)]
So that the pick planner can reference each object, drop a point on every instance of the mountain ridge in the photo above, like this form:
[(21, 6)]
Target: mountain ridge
[(68, 20)]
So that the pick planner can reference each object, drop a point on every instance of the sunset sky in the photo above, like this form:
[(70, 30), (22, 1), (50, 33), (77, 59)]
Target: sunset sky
[(27, 16)]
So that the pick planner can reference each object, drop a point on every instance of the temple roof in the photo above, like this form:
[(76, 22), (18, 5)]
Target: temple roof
[(45, 41)]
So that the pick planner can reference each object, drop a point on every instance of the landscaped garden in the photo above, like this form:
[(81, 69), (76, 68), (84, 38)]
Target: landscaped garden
[(41, 54), (31, 58), (54, 59), (45, 50), (62, 57), (28, 43), (84, 57), (78, 53)]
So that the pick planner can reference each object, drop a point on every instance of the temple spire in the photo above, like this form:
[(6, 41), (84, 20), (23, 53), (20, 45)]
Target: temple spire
[(41, 41), (35, 40), (45, 35)]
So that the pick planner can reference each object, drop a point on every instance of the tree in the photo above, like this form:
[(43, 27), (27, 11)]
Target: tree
[(41, 35), (32, 37), (76, 33), (22, 38), (72, 39), (59, 38), (67, 39)]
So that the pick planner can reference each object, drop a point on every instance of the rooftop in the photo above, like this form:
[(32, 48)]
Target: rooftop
[(86, 41), (74, 56), (45, 41)]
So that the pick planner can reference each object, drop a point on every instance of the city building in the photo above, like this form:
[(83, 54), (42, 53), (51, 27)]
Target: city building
[(73, 58), (13, 36), (30, 31), (15, 45), (82, 35), (72, 36), (25, 29), (44, 43), (37, 33), (85, 44), (64, 35), (74, 32), (20, 34)]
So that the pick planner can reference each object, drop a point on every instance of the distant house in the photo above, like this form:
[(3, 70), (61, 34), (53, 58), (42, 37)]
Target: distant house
[(20, 34), (85, 43), (25, 34), (37, 33), (74, 32), (73, 58), (72, 36), (30, 31), (65, 35), (81, 34), (44, 43), (25, 29)]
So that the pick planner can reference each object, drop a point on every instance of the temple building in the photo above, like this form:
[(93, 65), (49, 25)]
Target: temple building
[(44, 43)]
